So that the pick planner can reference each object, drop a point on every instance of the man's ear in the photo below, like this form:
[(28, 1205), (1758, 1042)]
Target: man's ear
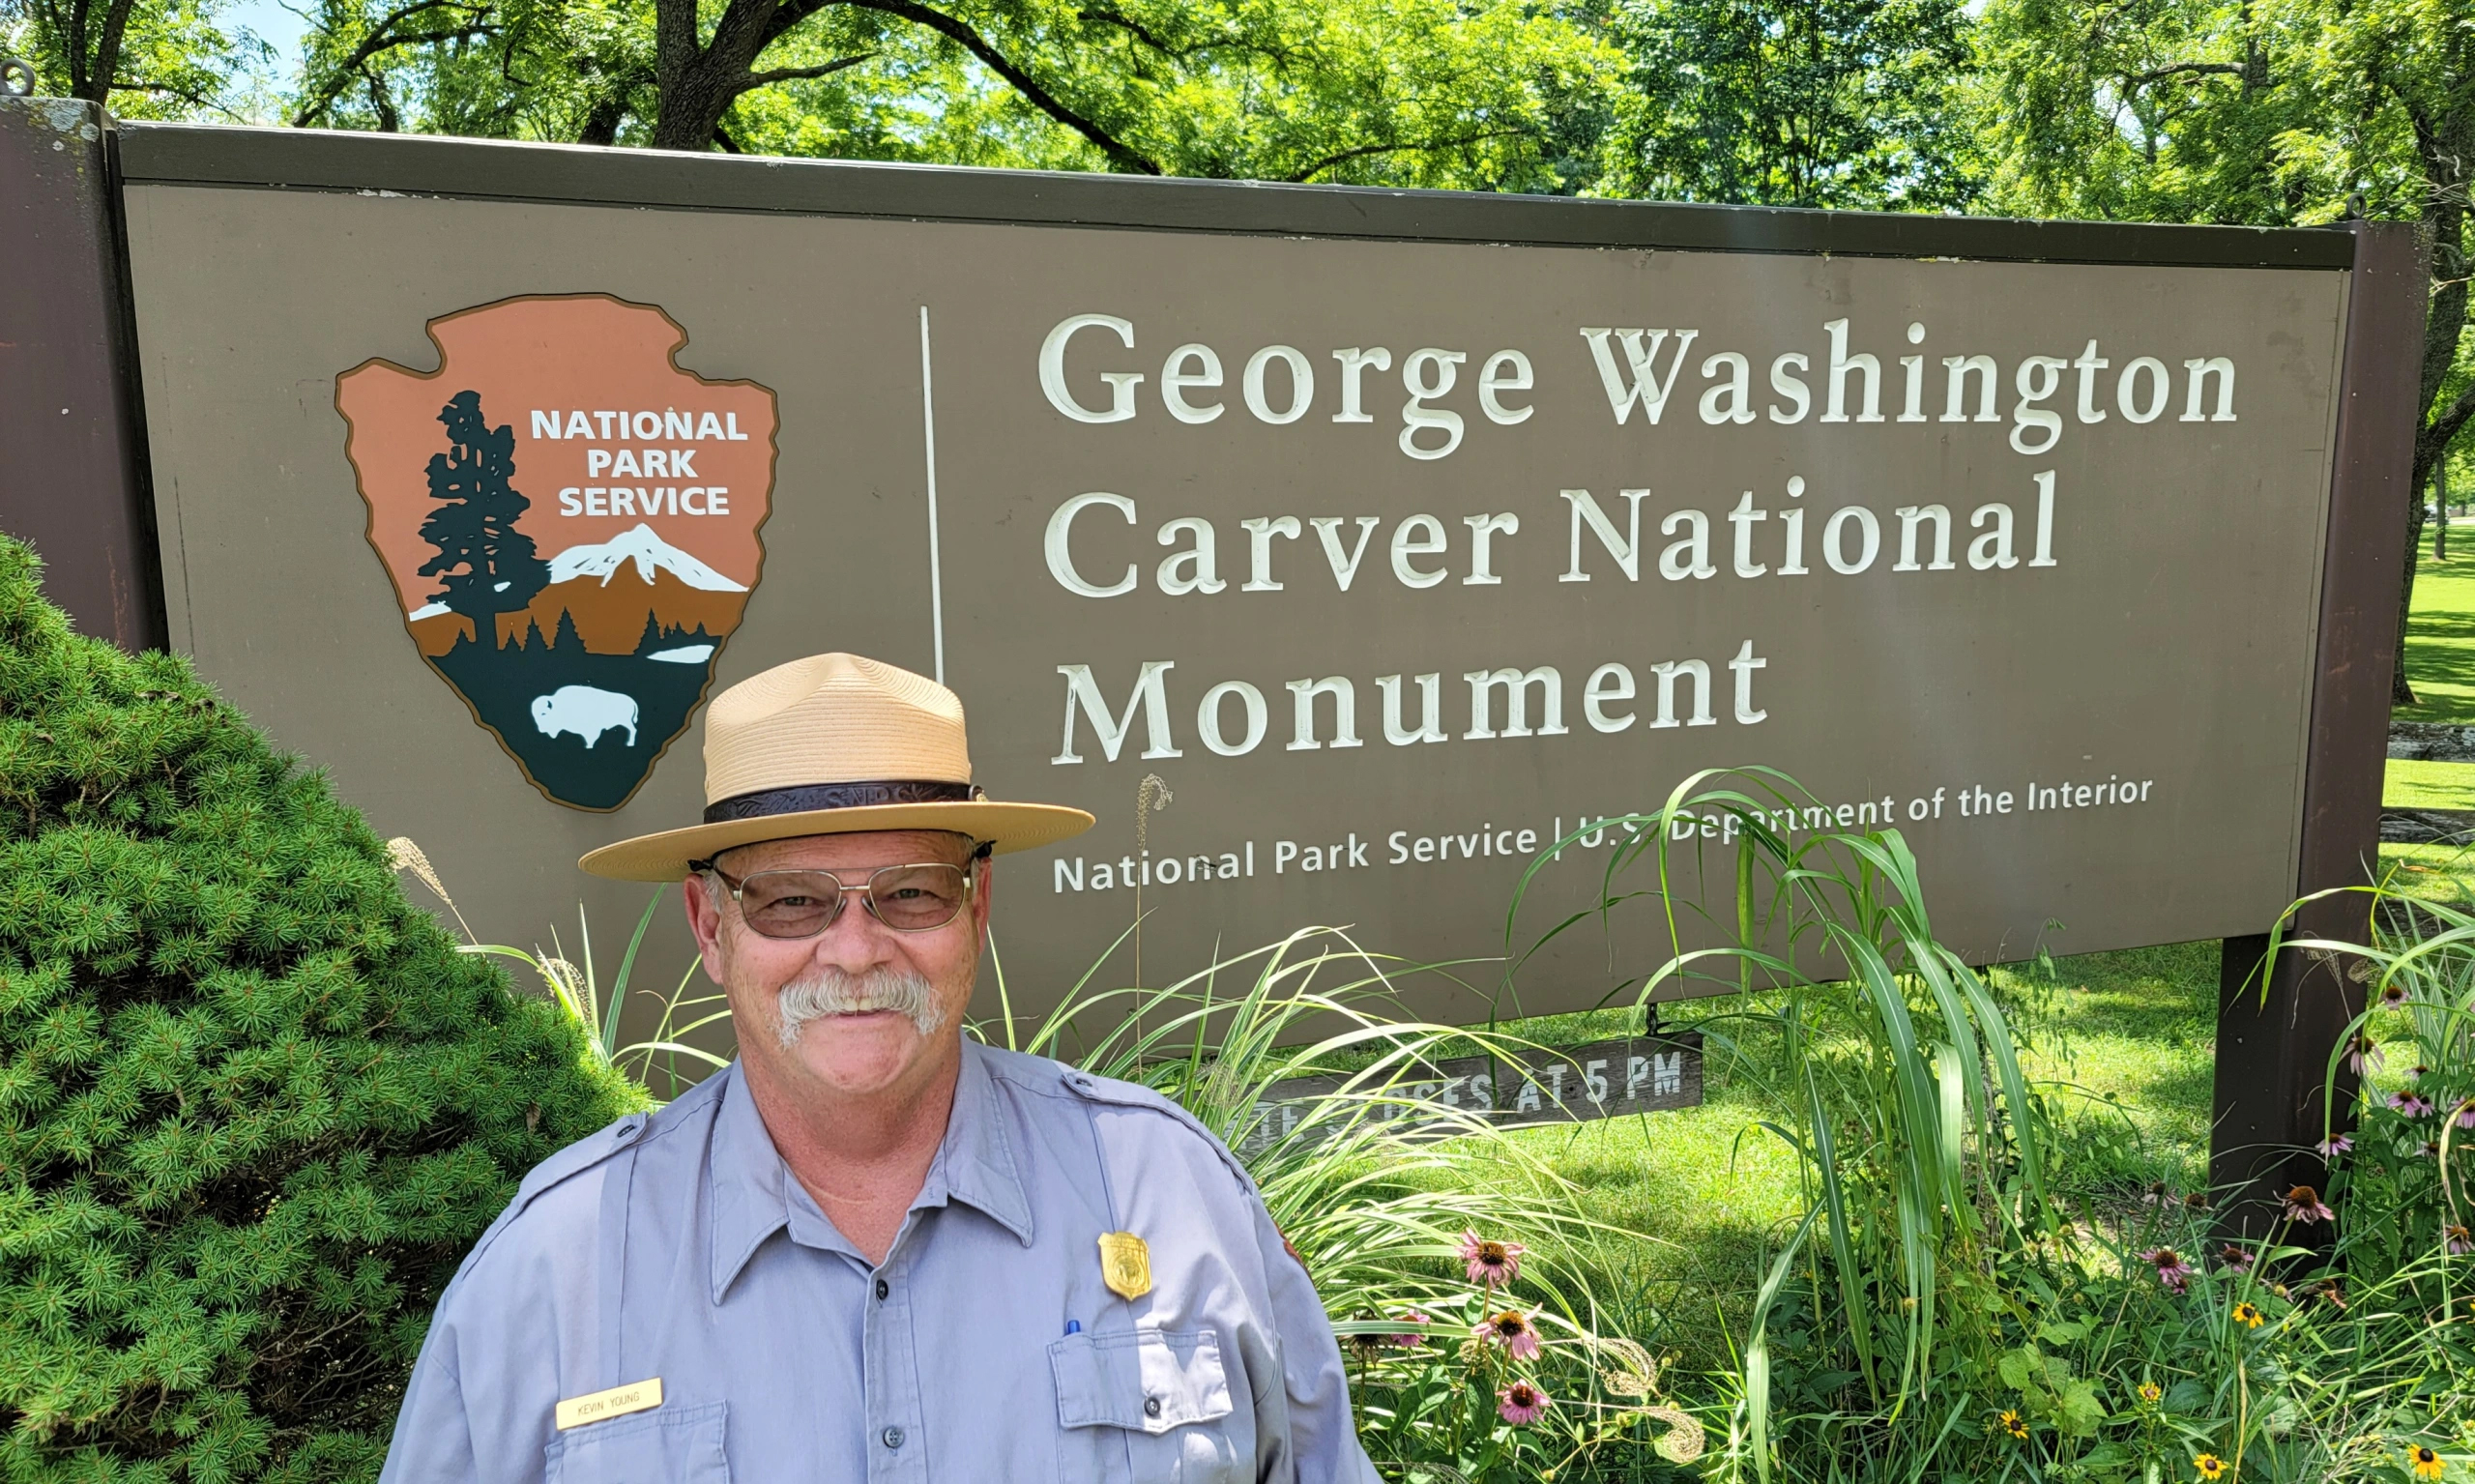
[(705, 920)]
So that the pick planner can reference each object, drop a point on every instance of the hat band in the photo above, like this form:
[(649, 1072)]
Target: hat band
[(807, 797)]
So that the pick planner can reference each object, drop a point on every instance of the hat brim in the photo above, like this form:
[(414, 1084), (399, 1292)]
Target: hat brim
[(1007, 826)]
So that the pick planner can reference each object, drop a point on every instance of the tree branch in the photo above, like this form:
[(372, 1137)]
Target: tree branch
[(2180, 68), (971, 40), (1365, 150), (772, 75), (385, 38)]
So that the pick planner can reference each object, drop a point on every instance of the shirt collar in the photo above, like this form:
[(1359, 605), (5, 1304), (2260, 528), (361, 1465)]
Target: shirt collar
[(754, 1194)]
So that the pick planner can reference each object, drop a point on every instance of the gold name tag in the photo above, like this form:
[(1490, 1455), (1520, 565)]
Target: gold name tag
[(617, 1402)]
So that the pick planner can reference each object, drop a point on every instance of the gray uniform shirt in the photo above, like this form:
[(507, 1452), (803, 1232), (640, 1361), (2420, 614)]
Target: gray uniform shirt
[(985, 1347)]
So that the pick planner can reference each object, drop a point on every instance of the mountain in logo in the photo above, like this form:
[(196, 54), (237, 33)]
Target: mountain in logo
[(579, 617), (608, 590)]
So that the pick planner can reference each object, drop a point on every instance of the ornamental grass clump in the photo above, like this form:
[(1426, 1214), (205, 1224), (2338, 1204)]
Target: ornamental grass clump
[(253, 1107)]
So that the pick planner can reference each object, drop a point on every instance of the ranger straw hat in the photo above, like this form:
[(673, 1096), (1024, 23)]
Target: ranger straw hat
[(835, 744)]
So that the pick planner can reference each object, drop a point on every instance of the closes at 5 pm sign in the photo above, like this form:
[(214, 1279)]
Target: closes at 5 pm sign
[(1339, 576)]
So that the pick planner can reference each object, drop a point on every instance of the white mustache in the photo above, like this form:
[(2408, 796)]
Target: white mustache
[(832, 992)]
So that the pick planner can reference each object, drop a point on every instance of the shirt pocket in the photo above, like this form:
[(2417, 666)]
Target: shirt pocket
[(666, 1445), (1146, 1406)]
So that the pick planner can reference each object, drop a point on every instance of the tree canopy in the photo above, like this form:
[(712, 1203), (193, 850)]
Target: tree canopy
[(2289, 112)]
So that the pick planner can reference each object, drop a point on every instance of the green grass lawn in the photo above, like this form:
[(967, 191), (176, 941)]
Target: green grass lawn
[(2440, 633), (2418, 785)]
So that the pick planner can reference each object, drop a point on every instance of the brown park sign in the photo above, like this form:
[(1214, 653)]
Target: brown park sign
[(1396, 535)]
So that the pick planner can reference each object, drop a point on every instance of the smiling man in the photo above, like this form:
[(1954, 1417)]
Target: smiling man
[(873, 1248)]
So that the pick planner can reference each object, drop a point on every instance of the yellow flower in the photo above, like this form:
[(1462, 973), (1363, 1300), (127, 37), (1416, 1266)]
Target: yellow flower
[(2426, 1462), (2245, 1314), (2151, 1392), (2010, 1423), (2210, 1465)]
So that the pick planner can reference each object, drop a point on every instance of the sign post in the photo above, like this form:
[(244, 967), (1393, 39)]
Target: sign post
[(2276, 1041)]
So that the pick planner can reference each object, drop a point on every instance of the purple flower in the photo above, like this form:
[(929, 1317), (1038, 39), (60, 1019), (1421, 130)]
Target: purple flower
[(1412, 1340), (2332, 1148), (2235, 1257), (2393, 993), (1491, 1262), (2460, 1240), (1521, 1402), (2171, 1270), (2410, 1104), (2364, 1053), (2303, 1206), (2466, 1113), (1513, 1330)]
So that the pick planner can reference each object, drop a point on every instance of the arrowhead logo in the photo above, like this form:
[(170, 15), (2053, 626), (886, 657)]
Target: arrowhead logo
[(571, 523)]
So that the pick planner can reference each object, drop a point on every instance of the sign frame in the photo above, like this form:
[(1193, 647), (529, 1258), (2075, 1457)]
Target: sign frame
[(64, 166)]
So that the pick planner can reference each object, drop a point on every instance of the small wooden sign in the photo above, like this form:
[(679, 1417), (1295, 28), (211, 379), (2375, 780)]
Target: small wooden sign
[(1602, 1080)]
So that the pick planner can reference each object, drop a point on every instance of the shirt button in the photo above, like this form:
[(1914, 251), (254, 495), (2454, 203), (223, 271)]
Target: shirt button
[(883, 1289), (892, 1437), (1151, 1406)]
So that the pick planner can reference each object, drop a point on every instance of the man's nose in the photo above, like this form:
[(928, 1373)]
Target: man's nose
[(856, 943)]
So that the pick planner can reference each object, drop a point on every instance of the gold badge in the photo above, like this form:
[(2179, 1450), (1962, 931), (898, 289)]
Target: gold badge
[(1125, 1265), (617, 1402)]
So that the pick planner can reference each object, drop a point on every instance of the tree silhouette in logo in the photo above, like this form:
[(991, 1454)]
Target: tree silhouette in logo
[(484, 564)]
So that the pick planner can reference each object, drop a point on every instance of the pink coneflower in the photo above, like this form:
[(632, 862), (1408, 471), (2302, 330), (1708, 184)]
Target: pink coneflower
[(1521, 1402), (2171, 1270), (1512, 1331), (2460, 1240), (2238, 1258), (2409, 1104), (2429, 1148), (1418, 1337), (2364, 1053), (2303, 1206), (2466, 1113), (2331, 1149), (2393, 993), (2418, 1074), (1493, 1264)]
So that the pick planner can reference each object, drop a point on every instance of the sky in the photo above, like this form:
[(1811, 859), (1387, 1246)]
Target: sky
[(274, 23)]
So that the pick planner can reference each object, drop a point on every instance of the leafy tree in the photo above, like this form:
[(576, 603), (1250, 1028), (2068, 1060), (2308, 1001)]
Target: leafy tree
[(1790, 103), (2275, 112), (1415, 91), (141, 58), (485, 566), (253, 1107)]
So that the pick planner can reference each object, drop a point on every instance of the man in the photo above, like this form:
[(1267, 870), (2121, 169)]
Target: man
[(873, 1249)]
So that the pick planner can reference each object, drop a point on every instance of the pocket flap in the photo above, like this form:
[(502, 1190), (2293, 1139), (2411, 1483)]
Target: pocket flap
[(666, 1445), (1146, 1381)]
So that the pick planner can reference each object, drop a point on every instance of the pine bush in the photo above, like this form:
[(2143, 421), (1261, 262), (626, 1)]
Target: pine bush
[(253, 1106)]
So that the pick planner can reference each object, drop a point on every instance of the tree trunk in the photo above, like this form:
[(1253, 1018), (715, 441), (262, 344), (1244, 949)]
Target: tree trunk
[(2400, 692), (694, 84), (2440, 507)]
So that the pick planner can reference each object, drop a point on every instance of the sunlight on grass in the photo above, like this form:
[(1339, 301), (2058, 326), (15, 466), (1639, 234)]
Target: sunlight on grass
[(2412, 784), (2440, 633)]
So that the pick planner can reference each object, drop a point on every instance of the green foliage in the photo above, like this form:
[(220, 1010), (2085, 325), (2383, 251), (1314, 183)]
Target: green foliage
[(1402, 92), (1840, 102), (253, 1107), (1949, 1304), (148, 59)]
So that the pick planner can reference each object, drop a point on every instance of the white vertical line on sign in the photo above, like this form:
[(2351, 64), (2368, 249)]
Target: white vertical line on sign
[(928, 431)]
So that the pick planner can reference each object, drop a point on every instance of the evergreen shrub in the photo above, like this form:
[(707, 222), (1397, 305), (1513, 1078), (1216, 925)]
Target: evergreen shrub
[(254, 1107)]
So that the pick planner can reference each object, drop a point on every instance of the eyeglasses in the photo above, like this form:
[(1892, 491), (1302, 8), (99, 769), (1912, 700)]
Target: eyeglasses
[(801, 904)]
